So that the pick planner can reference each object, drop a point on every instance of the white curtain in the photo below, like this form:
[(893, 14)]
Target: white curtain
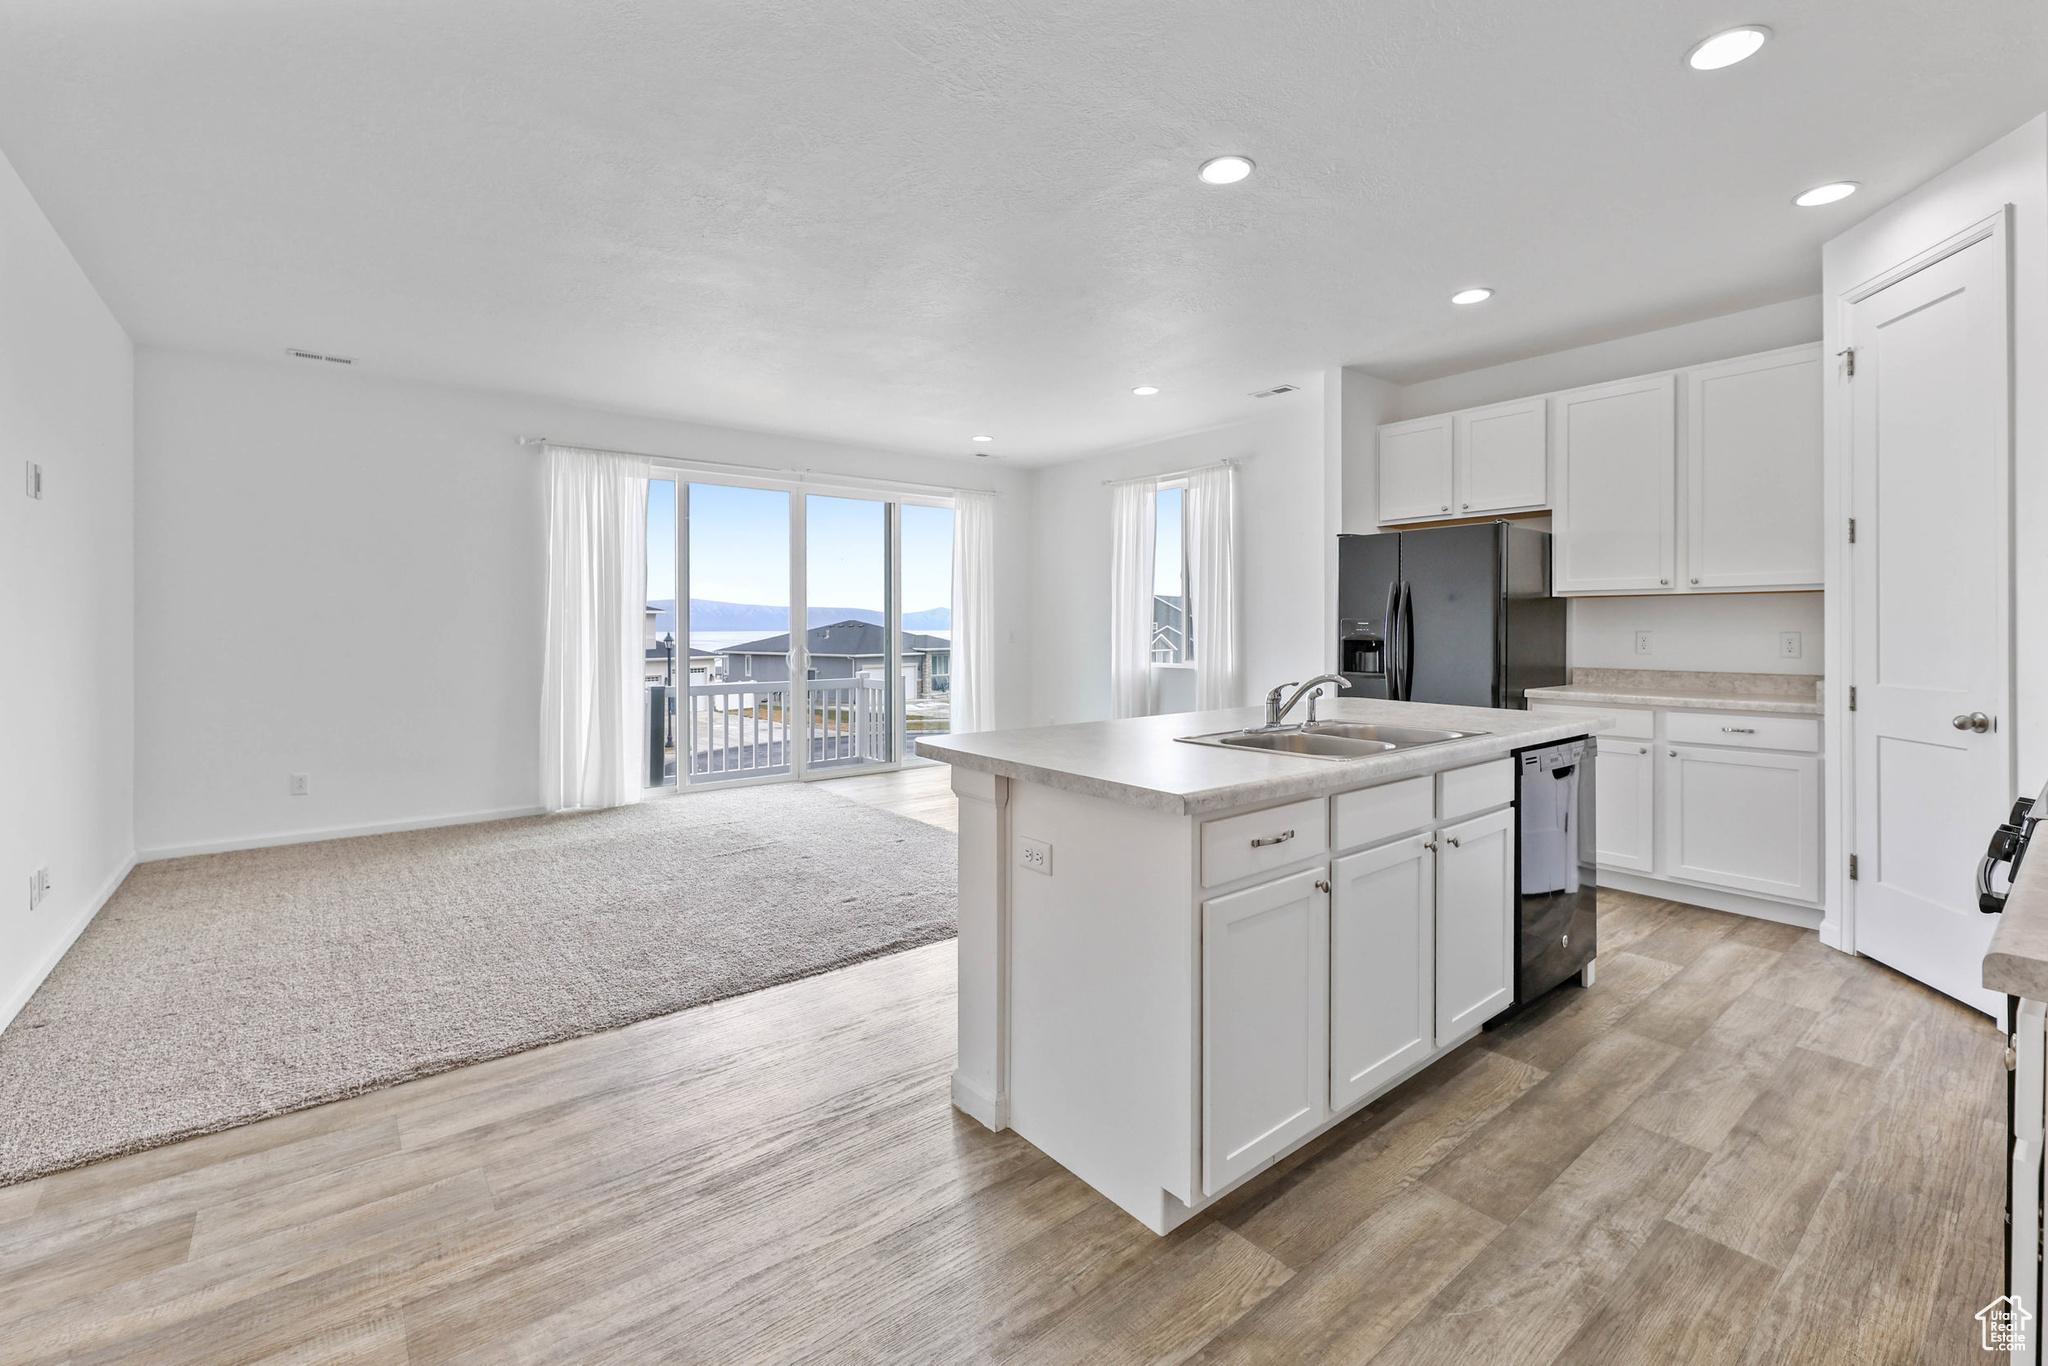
[(974, 612), (1212, 573), (593, 690), (1134, 516)]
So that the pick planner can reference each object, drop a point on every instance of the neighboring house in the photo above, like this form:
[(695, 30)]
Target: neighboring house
[(844, 649), (660, 650), (1169, 630)]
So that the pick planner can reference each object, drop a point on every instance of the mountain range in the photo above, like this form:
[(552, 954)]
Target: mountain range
[(708, 614)]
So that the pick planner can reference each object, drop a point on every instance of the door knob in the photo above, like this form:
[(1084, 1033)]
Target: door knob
[(1976, 721)]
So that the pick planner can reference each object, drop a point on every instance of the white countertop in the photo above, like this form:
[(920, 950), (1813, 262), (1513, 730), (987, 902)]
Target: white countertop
[(1782, 694), (2017, 962), (1138, 761)]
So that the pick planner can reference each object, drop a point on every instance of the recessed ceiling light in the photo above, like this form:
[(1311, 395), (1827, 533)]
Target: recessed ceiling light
[(1726, 49), (1145, 391), (1471, 296), (981, 438), (1225, 170), (1826, 194)]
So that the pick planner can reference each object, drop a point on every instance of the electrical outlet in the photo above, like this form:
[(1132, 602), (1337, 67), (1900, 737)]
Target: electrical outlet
[(38, 887), (302, 784), (1788, 645), (1035, 855), (1642, 642)]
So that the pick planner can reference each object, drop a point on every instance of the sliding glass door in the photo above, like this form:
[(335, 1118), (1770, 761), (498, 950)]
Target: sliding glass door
[(776, 640)]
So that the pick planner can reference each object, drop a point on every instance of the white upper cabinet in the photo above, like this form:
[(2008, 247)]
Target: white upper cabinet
[(1502, 457), (1753, 460), (1614, 522), (1415, 469)]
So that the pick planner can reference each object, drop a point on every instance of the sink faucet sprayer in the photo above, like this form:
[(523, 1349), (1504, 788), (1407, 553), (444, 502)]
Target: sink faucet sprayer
[(1276, 710)]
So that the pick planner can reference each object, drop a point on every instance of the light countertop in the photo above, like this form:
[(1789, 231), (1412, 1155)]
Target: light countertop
[(1138, 761), (1782, 694), (2017, 962)]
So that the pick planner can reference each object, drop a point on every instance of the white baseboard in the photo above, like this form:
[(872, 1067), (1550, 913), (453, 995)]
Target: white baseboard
[(23, 991), (972, 1101), (340, 832), (1713, 898)]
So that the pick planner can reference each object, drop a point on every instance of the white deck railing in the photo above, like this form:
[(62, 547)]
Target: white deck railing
[(744, 729)]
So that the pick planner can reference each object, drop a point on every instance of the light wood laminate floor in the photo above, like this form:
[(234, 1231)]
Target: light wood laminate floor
[(923, 793), (1738, 1147)]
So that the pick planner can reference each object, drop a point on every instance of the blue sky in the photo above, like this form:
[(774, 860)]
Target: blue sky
[(1166, 550), (739, 548)]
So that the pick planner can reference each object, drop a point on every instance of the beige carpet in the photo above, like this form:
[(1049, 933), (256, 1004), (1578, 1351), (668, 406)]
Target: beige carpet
[(217, 990)]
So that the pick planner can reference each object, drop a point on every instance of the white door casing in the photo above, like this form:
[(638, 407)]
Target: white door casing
[(1265, 1022), (1930, 629), (1382, 965), (1475, 938)]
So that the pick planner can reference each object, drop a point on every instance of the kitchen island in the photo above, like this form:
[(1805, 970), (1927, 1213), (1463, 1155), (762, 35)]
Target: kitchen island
[(1180, 962)]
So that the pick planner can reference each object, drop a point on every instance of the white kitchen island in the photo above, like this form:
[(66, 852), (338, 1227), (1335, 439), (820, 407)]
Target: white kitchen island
[(1178, 962)]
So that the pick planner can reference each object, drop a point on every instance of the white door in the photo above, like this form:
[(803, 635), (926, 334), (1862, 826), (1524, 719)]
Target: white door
[(1746, 819), (1475, 920), (1614, 523), (1753, 462), (1265, 1015), (1624, 801), (1382, 966), (1415, 469), (1503, 456), (1930, 625)]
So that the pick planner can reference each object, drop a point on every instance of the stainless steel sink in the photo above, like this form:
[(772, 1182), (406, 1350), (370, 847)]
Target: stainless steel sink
[(1328, 739)]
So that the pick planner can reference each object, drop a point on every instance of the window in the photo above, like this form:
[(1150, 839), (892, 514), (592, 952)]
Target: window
[(1172, 627)]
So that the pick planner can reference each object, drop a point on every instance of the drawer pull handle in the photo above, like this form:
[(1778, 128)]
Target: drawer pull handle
[(1281, 838), (1738, 730)]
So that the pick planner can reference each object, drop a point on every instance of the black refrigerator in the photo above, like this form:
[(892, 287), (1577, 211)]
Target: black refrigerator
[(1452, 614)]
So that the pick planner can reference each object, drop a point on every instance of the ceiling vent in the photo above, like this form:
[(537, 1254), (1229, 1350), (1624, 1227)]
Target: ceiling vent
[(1276, 390), (315, 355)]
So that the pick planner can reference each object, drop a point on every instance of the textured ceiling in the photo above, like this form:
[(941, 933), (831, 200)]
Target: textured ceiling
[(904, 223)]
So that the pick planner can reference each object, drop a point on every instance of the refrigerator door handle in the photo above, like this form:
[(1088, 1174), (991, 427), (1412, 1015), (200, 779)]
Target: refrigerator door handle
[(1407, 643), (1392, 663)]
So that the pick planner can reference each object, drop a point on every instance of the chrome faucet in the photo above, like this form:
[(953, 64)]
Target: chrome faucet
[(1276, 710)]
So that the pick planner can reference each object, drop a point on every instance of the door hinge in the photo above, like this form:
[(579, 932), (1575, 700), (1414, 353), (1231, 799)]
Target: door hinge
[(1852, 697), (1852, 867), (1852, 531), (1848, 355)]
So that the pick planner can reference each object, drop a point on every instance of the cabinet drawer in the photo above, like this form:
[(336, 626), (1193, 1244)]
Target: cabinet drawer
[(1380, 813), (1261, 841), (1801, 733), (1462, 791), (1631, 723)]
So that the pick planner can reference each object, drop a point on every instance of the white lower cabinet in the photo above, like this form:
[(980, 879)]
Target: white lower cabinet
[(1475, 940), (1743, 819), (1382, 966), (1265, 1022), (1624, 803)]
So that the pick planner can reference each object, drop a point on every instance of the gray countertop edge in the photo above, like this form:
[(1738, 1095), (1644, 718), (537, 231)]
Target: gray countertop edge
[(1592, 695), (1318, 778), (2017, 962)]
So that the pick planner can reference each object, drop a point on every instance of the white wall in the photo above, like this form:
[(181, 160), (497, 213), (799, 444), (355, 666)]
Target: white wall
[(1718, 632), (67, 596), (340, 574), (1283, 497)]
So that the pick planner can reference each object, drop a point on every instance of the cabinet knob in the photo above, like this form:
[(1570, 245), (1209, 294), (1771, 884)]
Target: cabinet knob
[(1673, 753), (1695, 578), (1664, 581), (1322, 887), (1429, 845), (1642, 749), (1465, 505), (1445, 508), (1452, 840)]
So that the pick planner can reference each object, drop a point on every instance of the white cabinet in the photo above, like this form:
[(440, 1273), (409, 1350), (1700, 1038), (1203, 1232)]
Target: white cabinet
[(1753, 463), (1265, 982), (1501, 455), (1744, 819), (1415, 469), (1624, 803), (1475, 939), (1493, 459), (1613, 524), (1382, 966)]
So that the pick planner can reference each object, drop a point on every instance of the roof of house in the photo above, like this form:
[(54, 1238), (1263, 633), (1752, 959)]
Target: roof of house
[(839, 638)]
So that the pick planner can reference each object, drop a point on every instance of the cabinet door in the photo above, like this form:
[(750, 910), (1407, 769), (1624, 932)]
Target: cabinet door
[(1265, 1022), (1614, 523), (1743, 819), (1475, 918), (1503, 456), (1382, 974), (1415, 469), (1753, 458), (1625, 783)]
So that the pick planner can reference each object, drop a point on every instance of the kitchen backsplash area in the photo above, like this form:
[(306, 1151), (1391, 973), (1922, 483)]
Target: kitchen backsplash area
[(1754, 633)]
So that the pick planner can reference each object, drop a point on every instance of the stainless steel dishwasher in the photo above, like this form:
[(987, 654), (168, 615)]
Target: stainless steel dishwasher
[(1556, 880)]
